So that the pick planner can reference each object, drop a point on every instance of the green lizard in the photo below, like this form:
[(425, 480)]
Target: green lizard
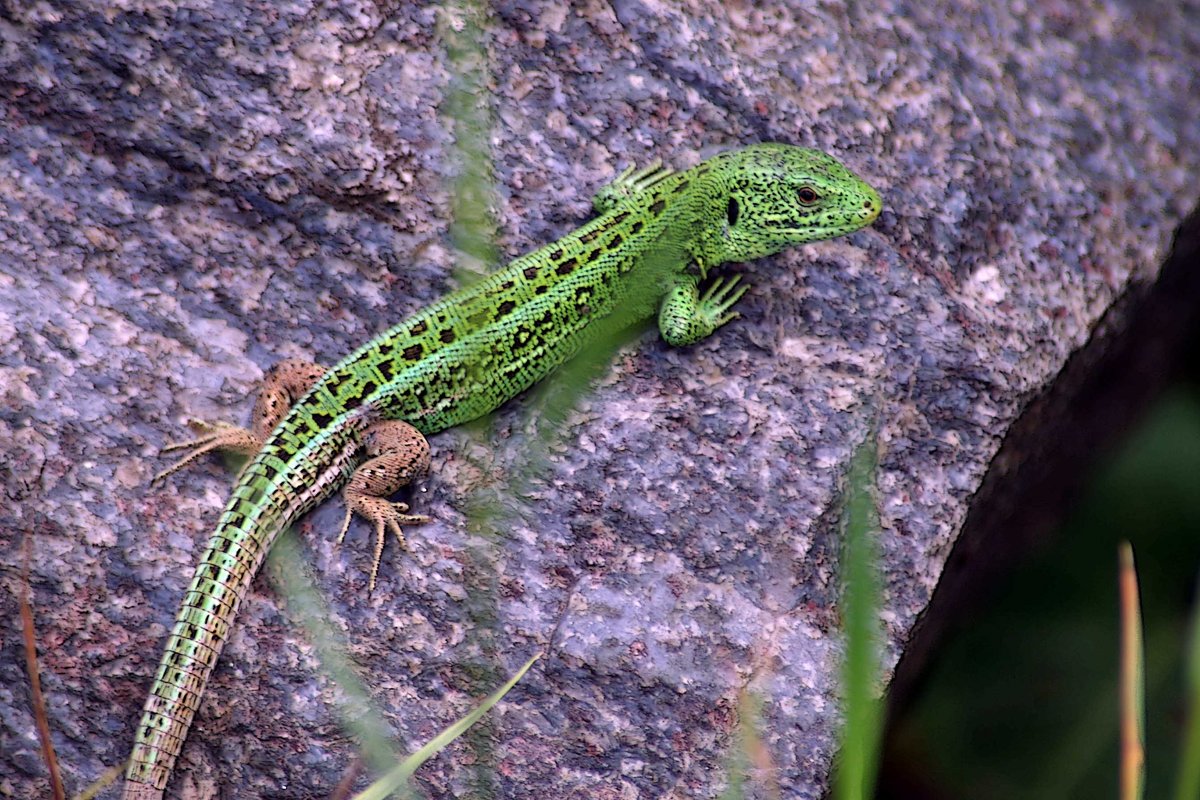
[(362, 424)]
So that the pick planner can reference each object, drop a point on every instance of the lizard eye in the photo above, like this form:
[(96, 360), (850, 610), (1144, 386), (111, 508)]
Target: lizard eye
[(731, 212), (807, 195)]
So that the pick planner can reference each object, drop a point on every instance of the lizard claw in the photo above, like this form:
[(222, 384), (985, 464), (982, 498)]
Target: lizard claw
[(213, 436), (385, 515), (721, 296)]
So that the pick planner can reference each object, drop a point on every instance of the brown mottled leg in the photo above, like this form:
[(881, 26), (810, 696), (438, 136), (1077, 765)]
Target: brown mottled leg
[(397, 453), (283, 384)]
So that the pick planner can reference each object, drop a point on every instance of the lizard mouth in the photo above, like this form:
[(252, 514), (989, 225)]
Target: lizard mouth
[(832, 223), (809, 232)]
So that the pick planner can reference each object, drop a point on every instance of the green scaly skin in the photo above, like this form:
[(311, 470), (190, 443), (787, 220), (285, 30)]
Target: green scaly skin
[(470, 352)]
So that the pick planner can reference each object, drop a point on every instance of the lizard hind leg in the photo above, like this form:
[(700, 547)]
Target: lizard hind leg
[(283, 385), (396, 453)]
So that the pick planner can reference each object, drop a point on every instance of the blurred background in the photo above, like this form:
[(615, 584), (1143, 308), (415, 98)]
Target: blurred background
[(1019, 698)]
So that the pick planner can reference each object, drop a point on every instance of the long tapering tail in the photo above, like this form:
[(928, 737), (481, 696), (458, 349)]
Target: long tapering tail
[(234, 554)]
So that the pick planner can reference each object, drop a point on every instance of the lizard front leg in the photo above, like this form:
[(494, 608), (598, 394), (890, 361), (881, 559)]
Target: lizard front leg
[(686, 316), (397, 453), (283, 385), (631, 182)]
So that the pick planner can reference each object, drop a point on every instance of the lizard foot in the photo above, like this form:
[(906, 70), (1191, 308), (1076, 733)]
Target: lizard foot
[(283, 384), (686, 316), (213, 436), (719, 298), (632, 181), (386, 516), (396, 454)]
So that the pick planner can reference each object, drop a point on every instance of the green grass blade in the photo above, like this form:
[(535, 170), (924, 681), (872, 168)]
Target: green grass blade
[(1187, 785), (466, 110), (398, 777), (860, 621), (304, 604), (746, 745), (1133, 682)]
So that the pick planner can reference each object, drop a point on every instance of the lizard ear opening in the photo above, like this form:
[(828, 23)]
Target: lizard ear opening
[(731, 212)]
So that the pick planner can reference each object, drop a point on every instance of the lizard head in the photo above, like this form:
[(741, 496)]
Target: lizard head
[(772, 196)]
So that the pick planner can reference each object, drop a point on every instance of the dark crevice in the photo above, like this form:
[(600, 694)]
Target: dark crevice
[(1142, 342)]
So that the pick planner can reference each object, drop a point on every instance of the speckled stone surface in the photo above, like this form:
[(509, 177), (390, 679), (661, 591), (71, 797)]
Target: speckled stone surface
[(188, 195)]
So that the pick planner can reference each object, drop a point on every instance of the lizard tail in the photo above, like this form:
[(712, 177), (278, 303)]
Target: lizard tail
[(234, 554)]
